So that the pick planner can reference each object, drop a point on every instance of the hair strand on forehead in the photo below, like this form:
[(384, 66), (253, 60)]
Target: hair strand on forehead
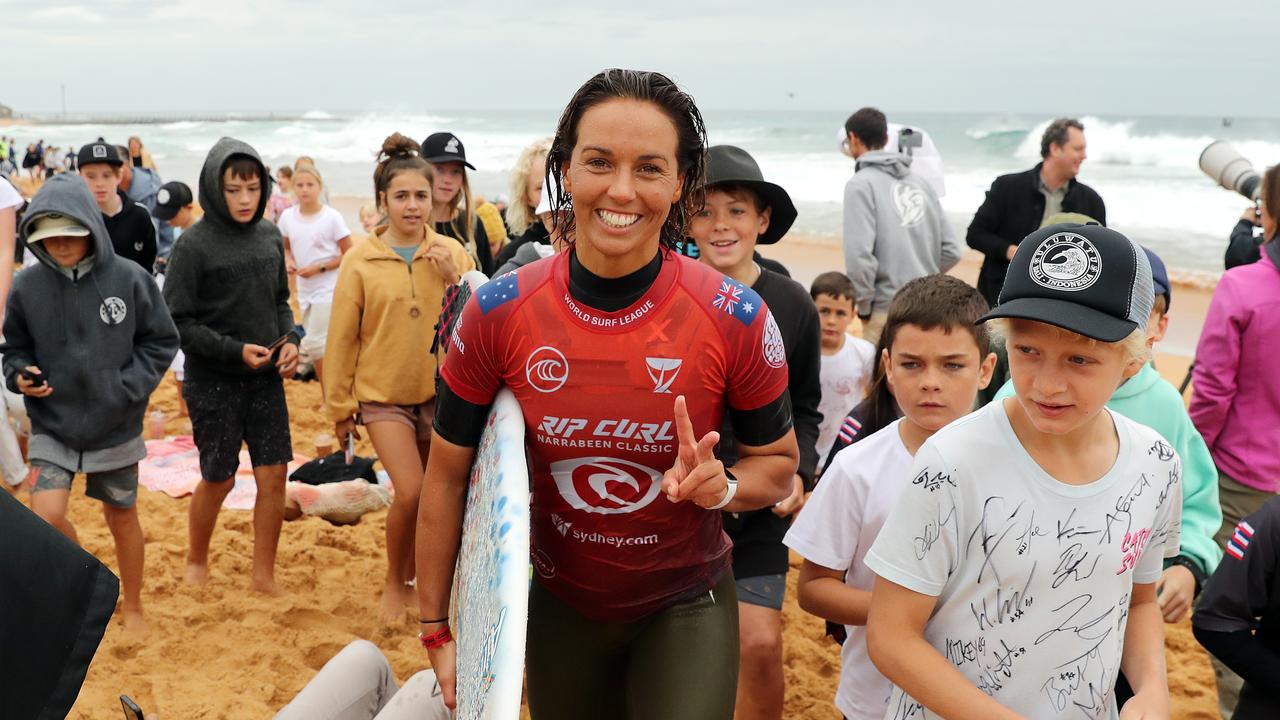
[(1134, 345)]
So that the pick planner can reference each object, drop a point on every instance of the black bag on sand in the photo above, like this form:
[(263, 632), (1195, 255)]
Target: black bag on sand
[(55, 602), (334, 468)]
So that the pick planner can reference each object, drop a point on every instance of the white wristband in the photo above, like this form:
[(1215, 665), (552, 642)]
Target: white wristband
[(730, 489)]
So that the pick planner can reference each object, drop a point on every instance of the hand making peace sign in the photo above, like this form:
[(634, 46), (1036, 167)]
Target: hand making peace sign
[(697, 475)]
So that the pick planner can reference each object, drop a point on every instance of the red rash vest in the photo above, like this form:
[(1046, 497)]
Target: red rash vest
[(597, 390)]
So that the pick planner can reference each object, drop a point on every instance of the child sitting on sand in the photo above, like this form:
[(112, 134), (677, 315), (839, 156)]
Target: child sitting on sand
[(87, 339), (1017, 572), (935, 361), (229, 294)]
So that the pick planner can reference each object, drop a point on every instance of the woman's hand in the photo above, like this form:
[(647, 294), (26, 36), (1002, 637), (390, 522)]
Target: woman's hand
[(438, 254), (794, 501), (310, 270), (697, 475), (444, 662), (343, 428)]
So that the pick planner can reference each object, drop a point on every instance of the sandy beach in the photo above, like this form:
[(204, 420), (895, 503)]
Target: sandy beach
[(222, 652)]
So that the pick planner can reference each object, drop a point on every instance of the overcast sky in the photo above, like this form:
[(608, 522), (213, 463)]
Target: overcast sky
[(1120, 57)]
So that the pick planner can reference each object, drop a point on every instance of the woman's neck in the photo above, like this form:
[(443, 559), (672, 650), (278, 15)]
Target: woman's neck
[(311, 207), (443, 212), (394, 237), (615, 266)]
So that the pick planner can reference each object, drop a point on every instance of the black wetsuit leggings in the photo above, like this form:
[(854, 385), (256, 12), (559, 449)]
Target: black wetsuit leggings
[(677, 664)]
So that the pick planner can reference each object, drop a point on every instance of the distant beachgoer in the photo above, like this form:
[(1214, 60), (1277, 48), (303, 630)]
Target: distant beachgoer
[(848, 362), (228, 290), (139, 156), (1019, 203), (141, 185), (1246, 238), (175, 205), (385, 306), (133, 234), (282, 197), (10, 202), (358, 684), (86, 400), (542, 239), (643, 624), (527, 178), (740, 210), (453, 210), (1236, 399), (371, 217), (315, 239), (894, 227)]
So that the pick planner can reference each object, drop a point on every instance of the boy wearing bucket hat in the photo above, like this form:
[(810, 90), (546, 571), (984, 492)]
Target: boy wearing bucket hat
[(894, 227), (1017, 573), (742, 210), (87, 337)]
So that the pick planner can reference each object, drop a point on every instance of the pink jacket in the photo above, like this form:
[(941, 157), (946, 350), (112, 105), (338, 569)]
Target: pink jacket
[(1236, 404)]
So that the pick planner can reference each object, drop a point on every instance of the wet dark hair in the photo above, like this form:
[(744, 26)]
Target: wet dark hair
[(691, 142), (836, 284), (869, 126), (1057, 133), (243, 167), (399, 154), (929, 302)]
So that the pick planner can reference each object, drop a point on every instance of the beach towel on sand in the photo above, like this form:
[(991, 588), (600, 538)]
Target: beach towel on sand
[(173, 467)]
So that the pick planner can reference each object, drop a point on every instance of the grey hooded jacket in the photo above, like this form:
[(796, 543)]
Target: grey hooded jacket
[(894, 230), (226, 284), (99, 332)]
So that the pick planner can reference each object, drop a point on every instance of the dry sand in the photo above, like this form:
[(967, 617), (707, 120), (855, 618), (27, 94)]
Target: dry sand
[(223, 652)]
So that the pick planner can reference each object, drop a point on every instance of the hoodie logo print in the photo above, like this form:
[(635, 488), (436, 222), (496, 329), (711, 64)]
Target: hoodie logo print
[(909, 202), (112, 311)]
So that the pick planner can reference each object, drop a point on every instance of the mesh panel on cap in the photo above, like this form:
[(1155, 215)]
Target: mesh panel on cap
[(1144, 289)]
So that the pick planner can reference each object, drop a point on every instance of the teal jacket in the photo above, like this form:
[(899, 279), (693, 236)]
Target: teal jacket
[(1149, 399)]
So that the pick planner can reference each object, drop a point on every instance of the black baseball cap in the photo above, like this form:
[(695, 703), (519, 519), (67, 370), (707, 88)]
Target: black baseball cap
[(443, 147), (98, 152), (730, 165), (172, 197), (1088, 279)]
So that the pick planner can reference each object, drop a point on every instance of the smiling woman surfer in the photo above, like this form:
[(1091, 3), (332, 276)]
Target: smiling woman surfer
[(625, 357)]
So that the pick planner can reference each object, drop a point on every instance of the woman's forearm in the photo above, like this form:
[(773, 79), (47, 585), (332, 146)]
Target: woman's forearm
[(764, 474), (439, 531)]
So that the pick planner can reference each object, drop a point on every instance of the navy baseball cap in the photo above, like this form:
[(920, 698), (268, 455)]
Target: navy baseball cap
[(1088, 279), (1159, 277)]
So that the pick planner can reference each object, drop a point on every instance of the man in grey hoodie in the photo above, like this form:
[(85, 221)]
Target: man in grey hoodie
[(228, 291), (894, 227), (87, 339)]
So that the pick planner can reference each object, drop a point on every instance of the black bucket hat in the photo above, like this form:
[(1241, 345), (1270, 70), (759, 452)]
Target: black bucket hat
[(729, 165), (443, 147)]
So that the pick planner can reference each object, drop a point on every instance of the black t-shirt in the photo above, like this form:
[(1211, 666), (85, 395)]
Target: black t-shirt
[(483, 253), (757, 535), (133, 236), (1238, 617)]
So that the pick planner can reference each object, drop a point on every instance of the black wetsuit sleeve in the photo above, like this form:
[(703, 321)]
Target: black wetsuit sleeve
[(1242, 248), (457, 420), (763, 425), (1246, 655), (805, 387)]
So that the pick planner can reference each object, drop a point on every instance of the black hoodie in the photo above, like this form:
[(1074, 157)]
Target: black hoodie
[(226, 283), (99, 332)]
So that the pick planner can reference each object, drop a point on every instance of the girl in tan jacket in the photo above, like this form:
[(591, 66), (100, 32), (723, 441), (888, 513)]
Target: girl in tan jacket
[(379, 371)]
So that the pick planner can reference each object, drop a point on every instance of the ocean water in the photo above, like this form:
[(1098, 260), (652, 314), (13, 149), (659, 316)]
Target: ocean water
[(1145, 167)]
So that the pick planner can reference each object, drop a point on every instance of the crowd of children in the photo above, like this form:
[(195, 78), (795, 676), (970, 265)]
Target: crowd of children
[(1011, 559)]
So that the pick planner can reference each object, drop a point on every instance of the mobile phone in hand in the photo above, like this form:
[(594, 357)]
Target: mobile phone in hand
[(35, 378), (131, 709)]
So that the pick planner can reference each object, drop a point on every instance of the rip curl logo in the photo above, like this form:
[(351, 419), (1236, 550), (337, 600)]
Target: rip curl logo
[(547, 370), (908, 200), (112, 311), (452, 145), (775, 352), (99, 151), (1066, 261), (607, 486), (663, 372)]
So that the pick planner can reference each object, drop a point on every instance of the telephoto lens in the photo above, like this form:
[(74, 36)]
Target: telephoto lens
[(1227, 167)]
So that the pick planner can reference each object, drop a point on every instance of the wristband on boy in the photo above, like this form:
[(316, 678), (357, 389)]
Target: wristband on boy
[(437, 639)]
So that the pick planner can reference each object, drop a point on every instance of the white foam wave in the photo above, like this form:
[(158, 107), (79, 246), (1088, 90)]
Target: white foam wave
[(316, 115), (1116, 143)]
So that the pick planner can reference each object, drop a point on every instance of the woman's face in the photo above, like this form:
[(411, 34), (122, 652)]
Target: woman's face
[(533, 185), (624, 177), (306, 188), (408, 202), (135, 146), (448, 182)]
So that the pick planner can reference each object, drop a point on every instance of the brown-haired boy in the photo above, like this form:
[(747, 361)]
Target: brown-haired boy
[(847, 361)]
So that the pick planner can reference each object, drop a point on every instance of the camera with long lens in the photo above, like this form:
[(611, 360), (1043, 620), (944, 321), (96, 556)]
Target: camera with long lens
[(1228, 168)]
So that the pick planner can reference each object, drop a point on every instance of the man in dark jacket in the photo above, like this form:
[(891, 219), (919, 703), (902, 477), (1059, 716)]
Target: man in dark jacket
[(1019, 203), (87, 339)]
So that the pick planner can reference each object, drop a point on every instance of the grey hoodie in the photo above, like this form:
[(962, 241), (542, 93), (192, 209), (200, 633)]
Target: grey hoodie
[(99, 332), (894, 230), (226, 284)]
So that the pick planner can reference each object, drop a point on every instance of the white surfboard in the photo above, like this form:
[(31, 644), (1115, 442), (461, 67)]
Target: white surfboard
[(491, 583)]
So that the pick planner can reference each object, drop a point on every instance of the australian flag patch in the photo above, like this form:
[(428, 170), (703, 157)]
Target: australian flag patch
[(737, 300), (498, 291)]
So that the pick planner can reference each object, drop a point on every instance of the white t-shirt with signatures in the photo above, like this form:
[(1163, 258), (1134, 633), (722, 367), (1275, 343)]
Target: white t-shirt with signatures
[(1033, 577)]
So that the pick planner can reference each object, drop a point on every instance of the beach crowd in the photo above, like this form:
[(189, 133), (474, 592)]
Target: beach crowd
[(998, 500)]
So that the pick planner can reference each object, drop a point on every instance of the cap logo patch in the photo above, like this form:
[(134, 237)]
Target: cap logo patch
[(162, 197), (100, 151), (1066, 261), (452, 145)]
